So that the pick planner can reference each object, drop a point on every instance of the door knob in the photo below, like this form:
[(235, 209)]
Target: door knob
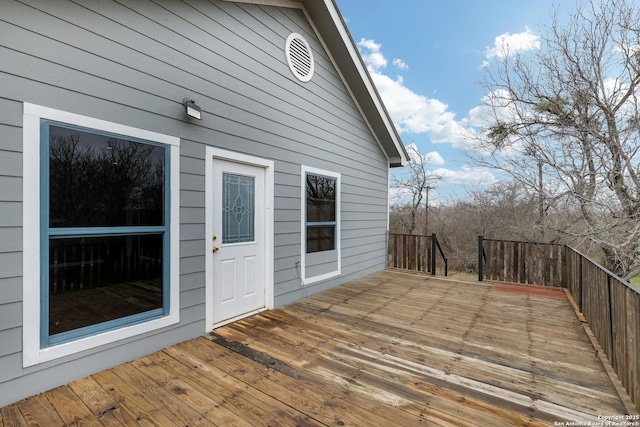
[(215, 249)]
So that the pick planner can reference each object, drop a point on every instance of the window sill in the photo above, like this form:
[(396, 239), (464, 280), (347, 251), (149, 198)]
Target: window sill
[(36, 356)]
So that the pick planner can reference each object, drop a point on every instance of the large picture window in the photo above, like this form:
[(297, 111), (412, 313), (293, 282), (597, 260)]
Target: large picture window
[(102, 203), (104, 229)]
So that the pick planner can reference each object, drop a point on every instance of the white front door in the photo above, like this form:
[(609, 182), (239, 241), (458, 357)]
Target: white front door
[(238, 239)]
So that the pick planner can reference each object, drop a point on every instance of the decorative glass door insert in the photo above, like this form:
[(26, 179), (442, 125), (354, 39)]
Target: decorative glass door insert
[(238, 208)]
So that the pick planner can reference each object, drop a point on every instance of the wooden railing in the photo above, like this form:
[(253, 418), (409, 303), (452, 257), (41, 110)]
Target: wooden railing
[(416, 252), (521, 262), (610, 304)]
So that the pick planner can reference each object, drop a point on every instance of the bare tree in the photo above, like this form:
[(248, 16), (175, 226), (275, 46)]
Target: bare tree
[(570, 112), (412, 185), (505, 210)]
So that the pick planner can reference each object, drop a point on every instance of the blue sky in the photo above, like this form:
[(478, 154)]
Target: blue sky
[(426, 57)]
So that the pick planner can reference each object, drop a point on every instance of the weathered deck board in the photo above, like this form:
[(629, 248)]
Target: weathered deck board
[(388, 349)]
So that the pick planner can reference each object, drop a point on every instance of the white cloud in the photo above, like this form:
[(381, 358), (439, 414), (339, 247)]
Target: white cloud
[(400, 64), (432, 157), (410, 111), (466, 176), (628, 49), (496, 105), (373, 58), (509, 44)]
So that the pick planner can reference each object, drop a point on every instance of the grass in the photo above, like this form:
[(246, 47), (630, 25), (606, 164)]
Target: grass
[(635, 281)]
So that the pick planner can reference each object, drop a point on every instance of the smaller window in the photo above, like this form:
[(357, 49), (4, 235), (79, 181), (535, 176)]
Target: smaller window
[(321, 213)]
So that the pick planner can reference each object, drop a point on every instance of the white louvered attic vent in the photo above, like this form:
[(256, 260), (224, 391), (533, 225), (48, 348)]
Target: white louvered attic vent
[(299, 57)]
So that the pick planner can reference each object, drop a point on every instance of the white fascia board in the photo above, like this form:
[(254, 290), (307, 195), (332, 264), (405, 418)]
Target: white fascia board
[(325, 45), (366, 78), (292, 4)]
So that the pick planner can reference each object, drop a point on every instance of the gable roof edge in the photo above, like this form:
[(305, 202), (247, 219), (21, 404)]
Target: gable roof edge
[(344, 80), (330, 24), (292, 4)]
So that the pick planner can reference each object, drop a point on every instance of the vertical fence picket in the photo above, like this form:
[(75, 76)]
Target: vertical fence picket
[(515, 255), (414, 252)]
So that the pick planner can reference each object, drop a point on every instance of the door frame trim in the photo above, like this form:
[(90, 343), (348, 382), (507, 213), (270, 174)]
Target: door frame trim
[(212, 153)]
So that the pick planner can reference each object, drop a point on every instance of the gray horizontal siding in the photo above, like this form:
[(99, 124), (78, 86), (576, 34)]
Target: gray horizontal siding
[(11, 263), (355, 239), (191, 215), (192, 281), (192, 298), (11, 138), (318, 269), (10, 341), (10, 163), (10, 214), (359, 229), (10, 124), (11, 369), (132, 62), (10, 316), (10, 239), (194, 264), (267, 114), (191, 248), (10, 242), (10, 188), (193, 182), (191, 231), (11, 290)]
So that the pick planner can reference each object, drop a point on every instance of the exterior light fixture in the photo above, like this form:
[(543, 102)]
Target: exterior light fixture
[(193, 110)]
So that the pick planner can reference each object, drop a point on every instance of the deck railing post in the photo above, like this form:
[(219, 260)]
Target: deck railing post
[(564, 274), (580, 280), (480, 253), (433, 254), (424, 253), (387, 247), (611, 328)]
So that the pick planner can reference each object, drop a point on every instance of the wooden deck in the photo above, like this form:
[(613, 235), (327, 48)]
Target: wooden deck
[(391, 349)]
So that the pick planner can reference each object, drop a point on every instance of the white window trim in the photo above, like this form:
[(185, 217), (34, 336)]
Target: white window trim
[(303, 242), (32, 354)]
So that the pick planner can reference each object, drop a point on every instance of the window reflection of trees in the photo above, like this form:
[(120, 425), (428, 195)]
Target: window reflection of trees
[(321, 197), (321, 213), (97, 180)]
